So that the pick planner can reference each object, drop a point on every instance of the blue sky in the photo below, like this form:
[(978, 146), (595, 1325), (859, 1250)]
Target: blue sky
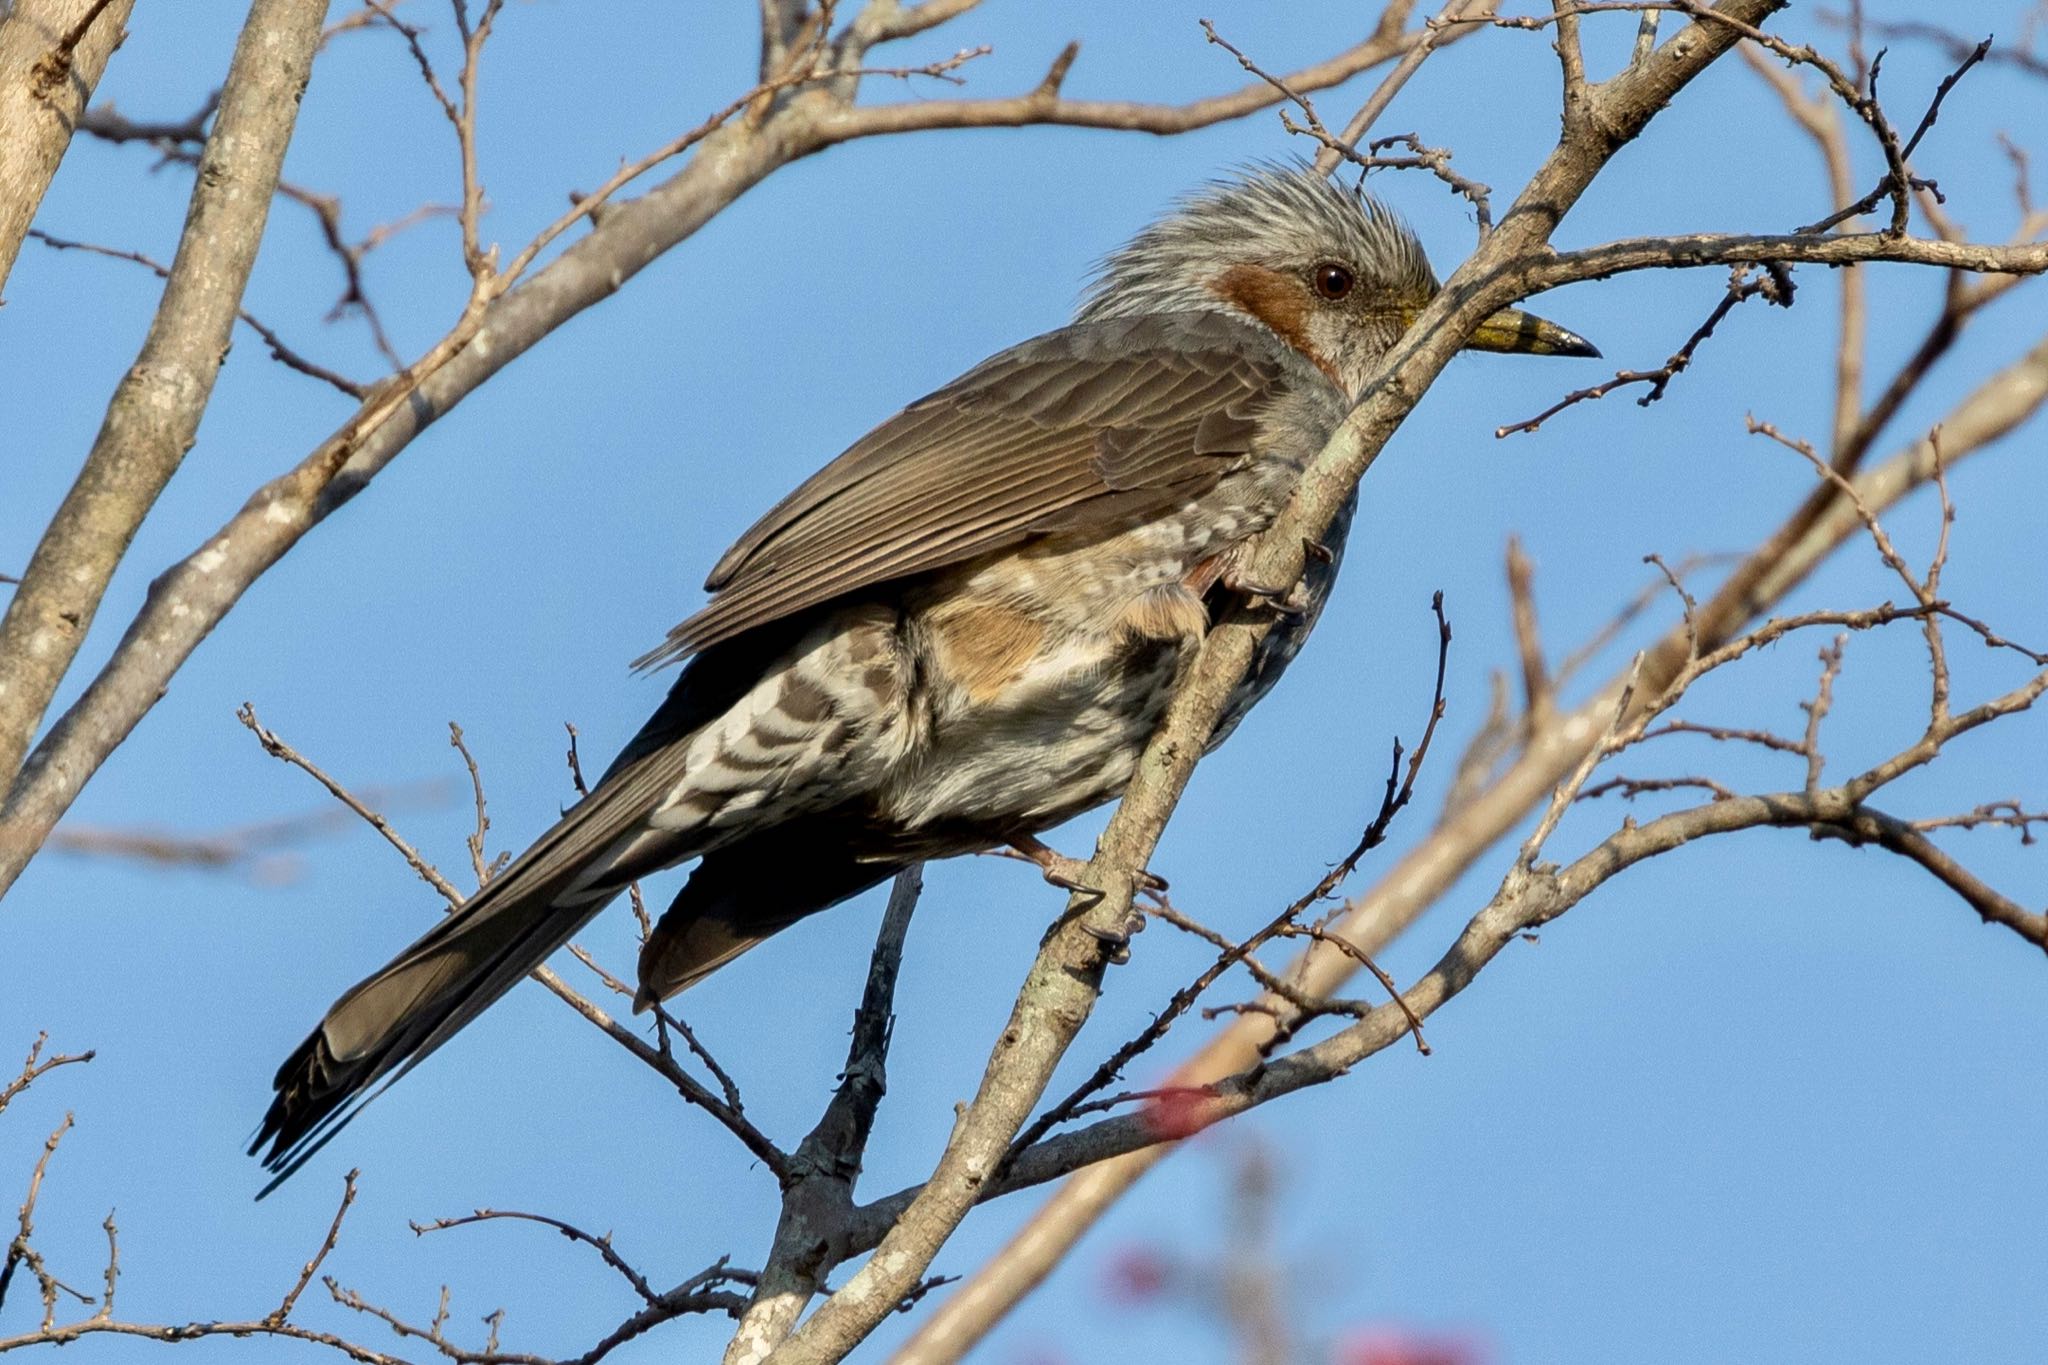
[(1763, 1099)]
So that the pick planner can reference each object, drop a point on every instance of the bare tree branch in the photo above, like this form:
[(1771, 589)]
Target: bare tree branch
[(816, 1202), (154, 415), (36, 1066), (1775, 284), (52, 53), (284, 354), (1435, 34), (1045, 105)]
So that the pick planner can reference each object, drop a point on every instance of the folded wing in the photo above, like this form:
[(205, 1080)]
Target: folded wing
[(1095, 425)]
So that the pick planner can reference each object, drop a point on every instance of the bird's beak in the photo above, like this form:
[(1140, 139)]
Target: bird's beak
[(1512, 330)]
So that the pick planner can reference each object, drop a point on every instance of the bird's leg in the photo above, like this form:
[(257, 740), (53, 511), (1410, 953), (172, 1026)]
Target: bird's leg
[(1228, 570), (1065, 872), (1068, 873)]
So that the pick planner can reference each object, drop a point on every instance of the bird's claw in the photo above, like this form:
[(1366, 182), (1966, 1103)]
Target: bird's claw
[(1069, 874), (1290, 600), (1116, 939), (1066, 873)]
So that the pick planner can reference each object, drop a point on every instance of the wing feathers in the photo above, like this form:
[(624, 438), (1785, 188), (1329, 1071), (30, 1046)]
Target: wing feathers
[(1086, 427)]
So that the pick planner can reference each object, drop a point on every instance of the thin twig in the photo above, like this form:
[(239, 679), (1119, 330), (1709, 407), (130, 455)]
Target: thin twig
[(278, 749), (600, 1244), (1774, 283), (282, 1313), (279, 351), (483, 819)]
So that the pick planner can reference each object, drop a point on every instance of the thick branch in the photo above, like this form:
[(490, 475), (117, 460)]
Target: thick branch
[(154, 414), (47, 73), (1711, 248), (1045, 105)]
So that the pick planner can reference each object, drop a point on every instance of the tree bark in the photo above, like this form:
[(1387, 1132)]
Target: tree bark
[(52, 53), (154, 415)]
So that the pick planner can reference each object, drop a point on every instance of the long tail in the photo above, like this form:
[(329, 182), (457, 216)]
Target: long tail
[(387, 1023)]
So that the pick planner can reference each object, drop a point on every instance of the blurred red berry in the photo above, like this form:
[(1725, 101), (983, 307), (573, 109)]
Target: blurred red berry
[(1178, 1114), (1136, 1275), (1397, 1346)]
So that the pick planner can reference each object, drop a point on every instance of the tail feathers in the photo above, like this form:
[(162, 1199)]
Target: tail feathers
[(388, 1023), (744, 893), (393, 1020)]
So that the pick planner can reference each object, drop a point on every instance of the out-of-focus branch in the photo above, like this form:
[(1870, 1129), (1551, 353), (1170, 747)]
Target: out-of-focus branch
[(52, 53), (109, 124), (261, 848), (1955, 44), (154, 415)]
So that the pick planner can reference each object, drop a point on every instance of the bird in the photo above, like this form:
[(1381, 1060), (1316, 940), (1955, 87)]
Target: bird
[(959, 633)]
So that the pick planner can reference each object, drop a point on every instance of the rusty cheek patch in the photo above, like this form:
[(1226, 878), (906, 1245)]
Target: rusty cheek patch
[(982, 647), (1276, 299)]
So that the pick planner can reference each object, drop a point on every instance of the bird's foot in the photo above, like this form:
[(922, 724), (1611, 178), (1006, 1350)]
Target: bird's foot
[(1290, 602), (1070, 874), (1288, 599), (1116, 939)]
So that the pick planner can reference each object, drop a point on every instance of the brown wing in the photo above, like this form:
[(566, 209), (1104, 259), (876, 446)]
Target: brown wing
[(1088, 426)]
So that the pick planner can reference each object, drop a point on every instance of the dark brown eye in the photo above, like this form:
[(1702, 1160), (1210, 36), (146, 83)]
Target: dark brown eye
[(1333, 281)]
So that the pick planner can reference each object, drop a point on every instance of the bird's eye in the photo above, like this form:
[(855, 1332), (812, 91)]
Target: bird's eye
[(1333, 281)]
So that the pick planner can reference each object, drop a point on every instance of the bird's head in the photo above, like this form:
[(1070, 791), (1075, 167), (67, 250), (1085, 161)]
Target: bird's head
[(1329, 270)]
